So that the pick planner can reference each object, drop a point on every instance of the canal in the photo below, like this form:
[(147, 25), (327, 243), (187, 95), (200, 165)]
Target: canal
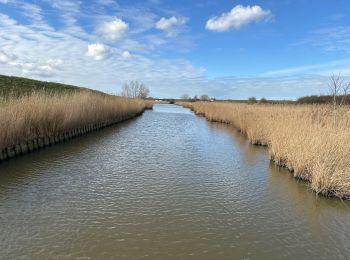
[(166, 185)]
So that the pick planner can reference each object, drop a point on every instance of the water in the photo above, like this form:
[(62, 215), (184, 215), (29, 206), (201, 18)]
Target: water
[(167, 185)]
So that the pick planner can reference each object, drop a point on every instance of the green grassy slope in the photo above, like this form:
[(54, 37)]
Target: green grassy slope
[(16, 86)]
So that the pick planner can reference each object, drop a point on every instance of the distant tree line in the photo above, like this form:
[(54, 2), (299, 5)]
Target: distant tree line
[(324, 99), (253, 100), (338, 93), (203, 97)]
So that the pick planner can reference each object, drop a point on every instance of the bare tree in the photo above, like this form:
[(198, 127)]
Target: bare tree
[(185, 97), (338, 89), (204, 97), (346, 89), (135, 89), (335, 86)]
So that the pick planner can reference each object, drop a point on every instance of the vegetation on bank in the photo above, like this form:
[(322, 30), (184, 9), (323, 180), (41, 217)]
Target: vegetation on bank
[(338, 89), (17, 87), (33, 109), (307, 139), (323, 99)]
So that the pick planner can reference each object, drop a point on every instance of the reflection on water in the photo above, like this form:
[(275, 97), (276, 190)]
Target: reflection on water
[(167, 185)]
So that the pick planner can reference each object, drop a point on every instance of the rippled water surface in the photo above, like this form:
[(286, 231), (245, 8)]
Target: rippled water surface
[(167, 185)]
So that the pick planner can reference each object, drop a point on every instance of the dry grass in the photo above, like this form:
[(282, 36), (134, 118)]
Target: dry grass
[(40, 114), (300, 137)]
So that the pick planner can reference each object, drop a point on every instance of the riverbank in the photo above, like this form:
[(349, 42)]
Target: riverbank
[(168, 185), (40, 119), (307, 139)]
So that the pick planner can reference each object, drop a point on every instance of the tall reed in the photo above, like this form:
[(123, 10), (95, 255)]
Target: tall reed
[(42, 114), (303, 138)]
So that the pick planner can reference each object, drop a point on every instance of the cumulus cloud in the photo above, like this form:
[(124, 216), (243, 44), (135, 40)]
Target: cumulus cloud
[(47, 53), (44, 52), (238, 17), (97, 51), (126, 55), (113, 30), (171, 25)]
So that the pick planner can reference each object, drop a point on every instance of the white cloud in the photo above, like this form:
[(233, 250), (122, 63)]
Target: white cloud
[(6, 20), (105, 2), (43, 69), (325, 69), (97, 51), (4, 1), (113, 30), (238, 17), (42, 52), (32, 11), (171, 25), (126, 55), (6, 58), (34, 69), (48, 54), (65, 5), (329, 39), (166, 24)]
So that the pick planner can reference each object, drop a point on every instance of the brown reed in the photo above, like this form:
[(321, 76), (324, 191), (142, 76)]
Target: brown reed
[(303, 138), (42, 114)]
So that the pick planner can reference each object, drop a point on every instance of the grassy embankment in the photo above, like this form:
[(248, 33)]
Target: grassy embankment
[(307, 139), (34, 114)]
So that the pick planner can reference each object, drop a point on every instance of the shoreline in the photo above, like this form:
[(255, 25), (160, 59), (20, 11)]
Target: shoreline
[(305, 176), (43, 142)]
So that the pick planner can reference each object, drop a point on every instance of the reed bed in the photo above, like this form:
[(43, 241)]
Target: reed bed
[(312, 141), (41, 114)]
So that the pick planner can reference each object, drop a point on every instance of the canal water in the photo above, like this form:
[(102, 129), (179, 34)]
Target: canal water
[(166, 185)]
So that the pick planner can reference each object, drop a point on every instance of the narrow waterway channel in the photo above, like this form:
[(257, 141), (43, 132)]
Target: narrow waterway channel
[(166, 185)]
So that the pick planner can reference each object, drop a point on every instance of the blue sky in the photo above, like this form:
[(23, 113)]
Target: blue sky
[(278, 49)]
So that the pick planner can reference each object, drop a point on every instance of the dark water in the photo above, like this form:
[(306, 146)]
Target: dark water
[(167, 185)]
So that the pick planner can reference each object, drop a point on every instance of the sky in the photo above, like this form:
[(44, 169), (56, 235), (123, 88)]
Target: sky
[(227, 49)]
